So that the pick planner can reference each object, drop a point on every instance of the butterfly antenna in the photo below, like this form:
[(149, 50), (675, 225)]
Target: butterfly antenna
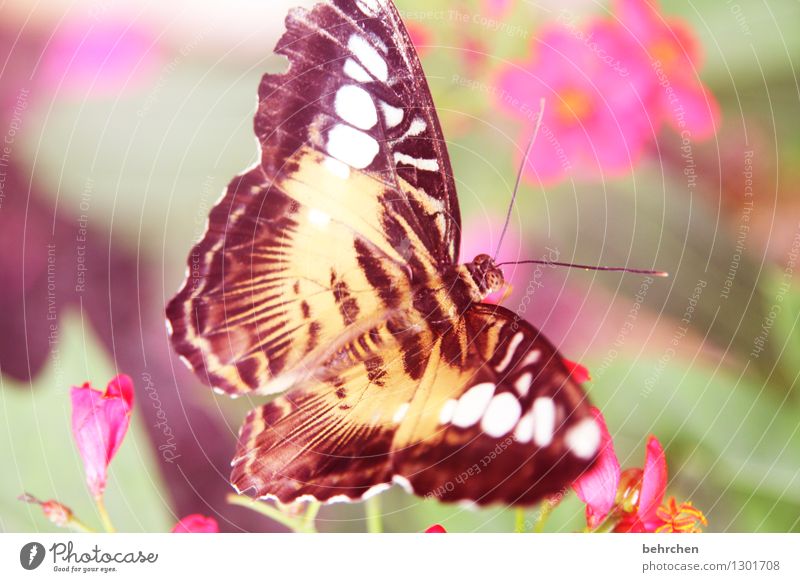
[(519, 175), (588, 267)]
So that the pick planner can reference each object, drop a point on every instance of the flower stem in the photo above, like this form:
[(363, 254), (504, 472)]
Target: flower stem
[(519, 520), (296, 525), (545, 509), (372, 508), (311, 514), (104, 517), (77, 525)]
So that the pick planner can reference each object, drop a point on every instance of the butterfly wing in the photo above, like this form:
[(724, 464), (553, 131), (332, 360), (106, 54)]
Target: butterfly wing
[(352, 200), (492, 416)]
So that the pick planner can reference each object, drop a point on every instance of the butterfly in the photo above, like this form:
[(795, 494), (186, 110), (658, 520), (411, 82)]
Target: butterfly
[(329, 276)]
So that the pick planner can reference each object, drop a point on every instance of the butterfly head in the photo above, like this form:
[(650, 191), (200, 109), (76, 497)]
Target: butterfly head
[(486, 276)]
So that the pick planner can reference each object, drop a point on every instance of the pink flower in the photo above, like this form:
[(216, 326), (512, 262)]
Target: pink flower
[(196, 523), (436, 528), (420, 35), (632, 499), (99, 423), (673, 57), (100, 58), (496, 8), (596, 118)]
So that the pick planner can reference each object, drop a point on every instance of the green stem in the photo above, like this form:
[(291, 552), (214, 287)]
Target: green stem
[(372, 508), (272, 512), (104, 517), (519, 520), (77, 525), (311, 514), (545, 509)]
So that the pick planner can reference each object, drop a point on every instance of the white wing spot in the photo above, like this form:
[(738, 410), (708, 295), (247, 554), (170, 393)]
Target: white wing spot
[(531, 358), (337, 168), (355, 71), (472, 404), (583, 439), (392, 115), (544, 414), (511, 349), (422, 164), (369, 57), (356, 107), (523, 384), (501, 415), (352, 146), (417, 126), (318, 218), (401, 412), (524, 430), (446, 414)]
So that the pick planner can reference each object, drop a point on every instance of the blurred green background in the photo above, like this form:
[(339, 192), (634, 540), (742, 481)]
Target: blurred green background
[(137, 146)]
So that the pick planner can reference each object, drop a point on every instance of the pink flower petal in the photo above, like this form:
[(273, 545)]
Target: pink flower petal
[(436, 528), (196, 523), (99, 424), (496, 8), (99, 57), (597, 487), (654, 482), (577, 372), (701, 114)]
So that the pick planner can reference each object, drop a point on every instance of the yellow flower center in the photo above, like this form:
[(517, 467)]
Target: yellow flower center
[(573, 106), (683, 518), (664, 51)]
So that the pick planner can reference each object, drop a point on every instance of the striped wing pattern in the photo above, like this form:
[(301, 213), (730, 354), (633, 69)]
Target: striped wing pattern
[(499, 421), (328, 274)]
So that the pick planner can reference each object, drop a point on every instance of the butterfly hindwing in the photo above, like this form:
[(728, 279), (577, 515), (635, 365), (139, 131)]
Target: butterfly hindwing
[(499, 421), (505, 424)]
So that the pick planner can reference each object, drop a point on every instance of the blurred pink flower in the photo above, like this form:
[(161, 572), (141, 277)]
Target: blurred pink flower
[(596, 119), (99, 58), (196, 523), (420, 35), (496, 8), (673, 57), (436, 528), (99, 423)]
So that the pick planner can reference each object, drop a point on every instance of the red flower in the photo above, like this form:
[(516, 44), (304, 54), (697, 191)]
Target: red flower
[(632, 499), (436, 528), (577, 372), (55, 512), (196, 523), (99, 423)]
